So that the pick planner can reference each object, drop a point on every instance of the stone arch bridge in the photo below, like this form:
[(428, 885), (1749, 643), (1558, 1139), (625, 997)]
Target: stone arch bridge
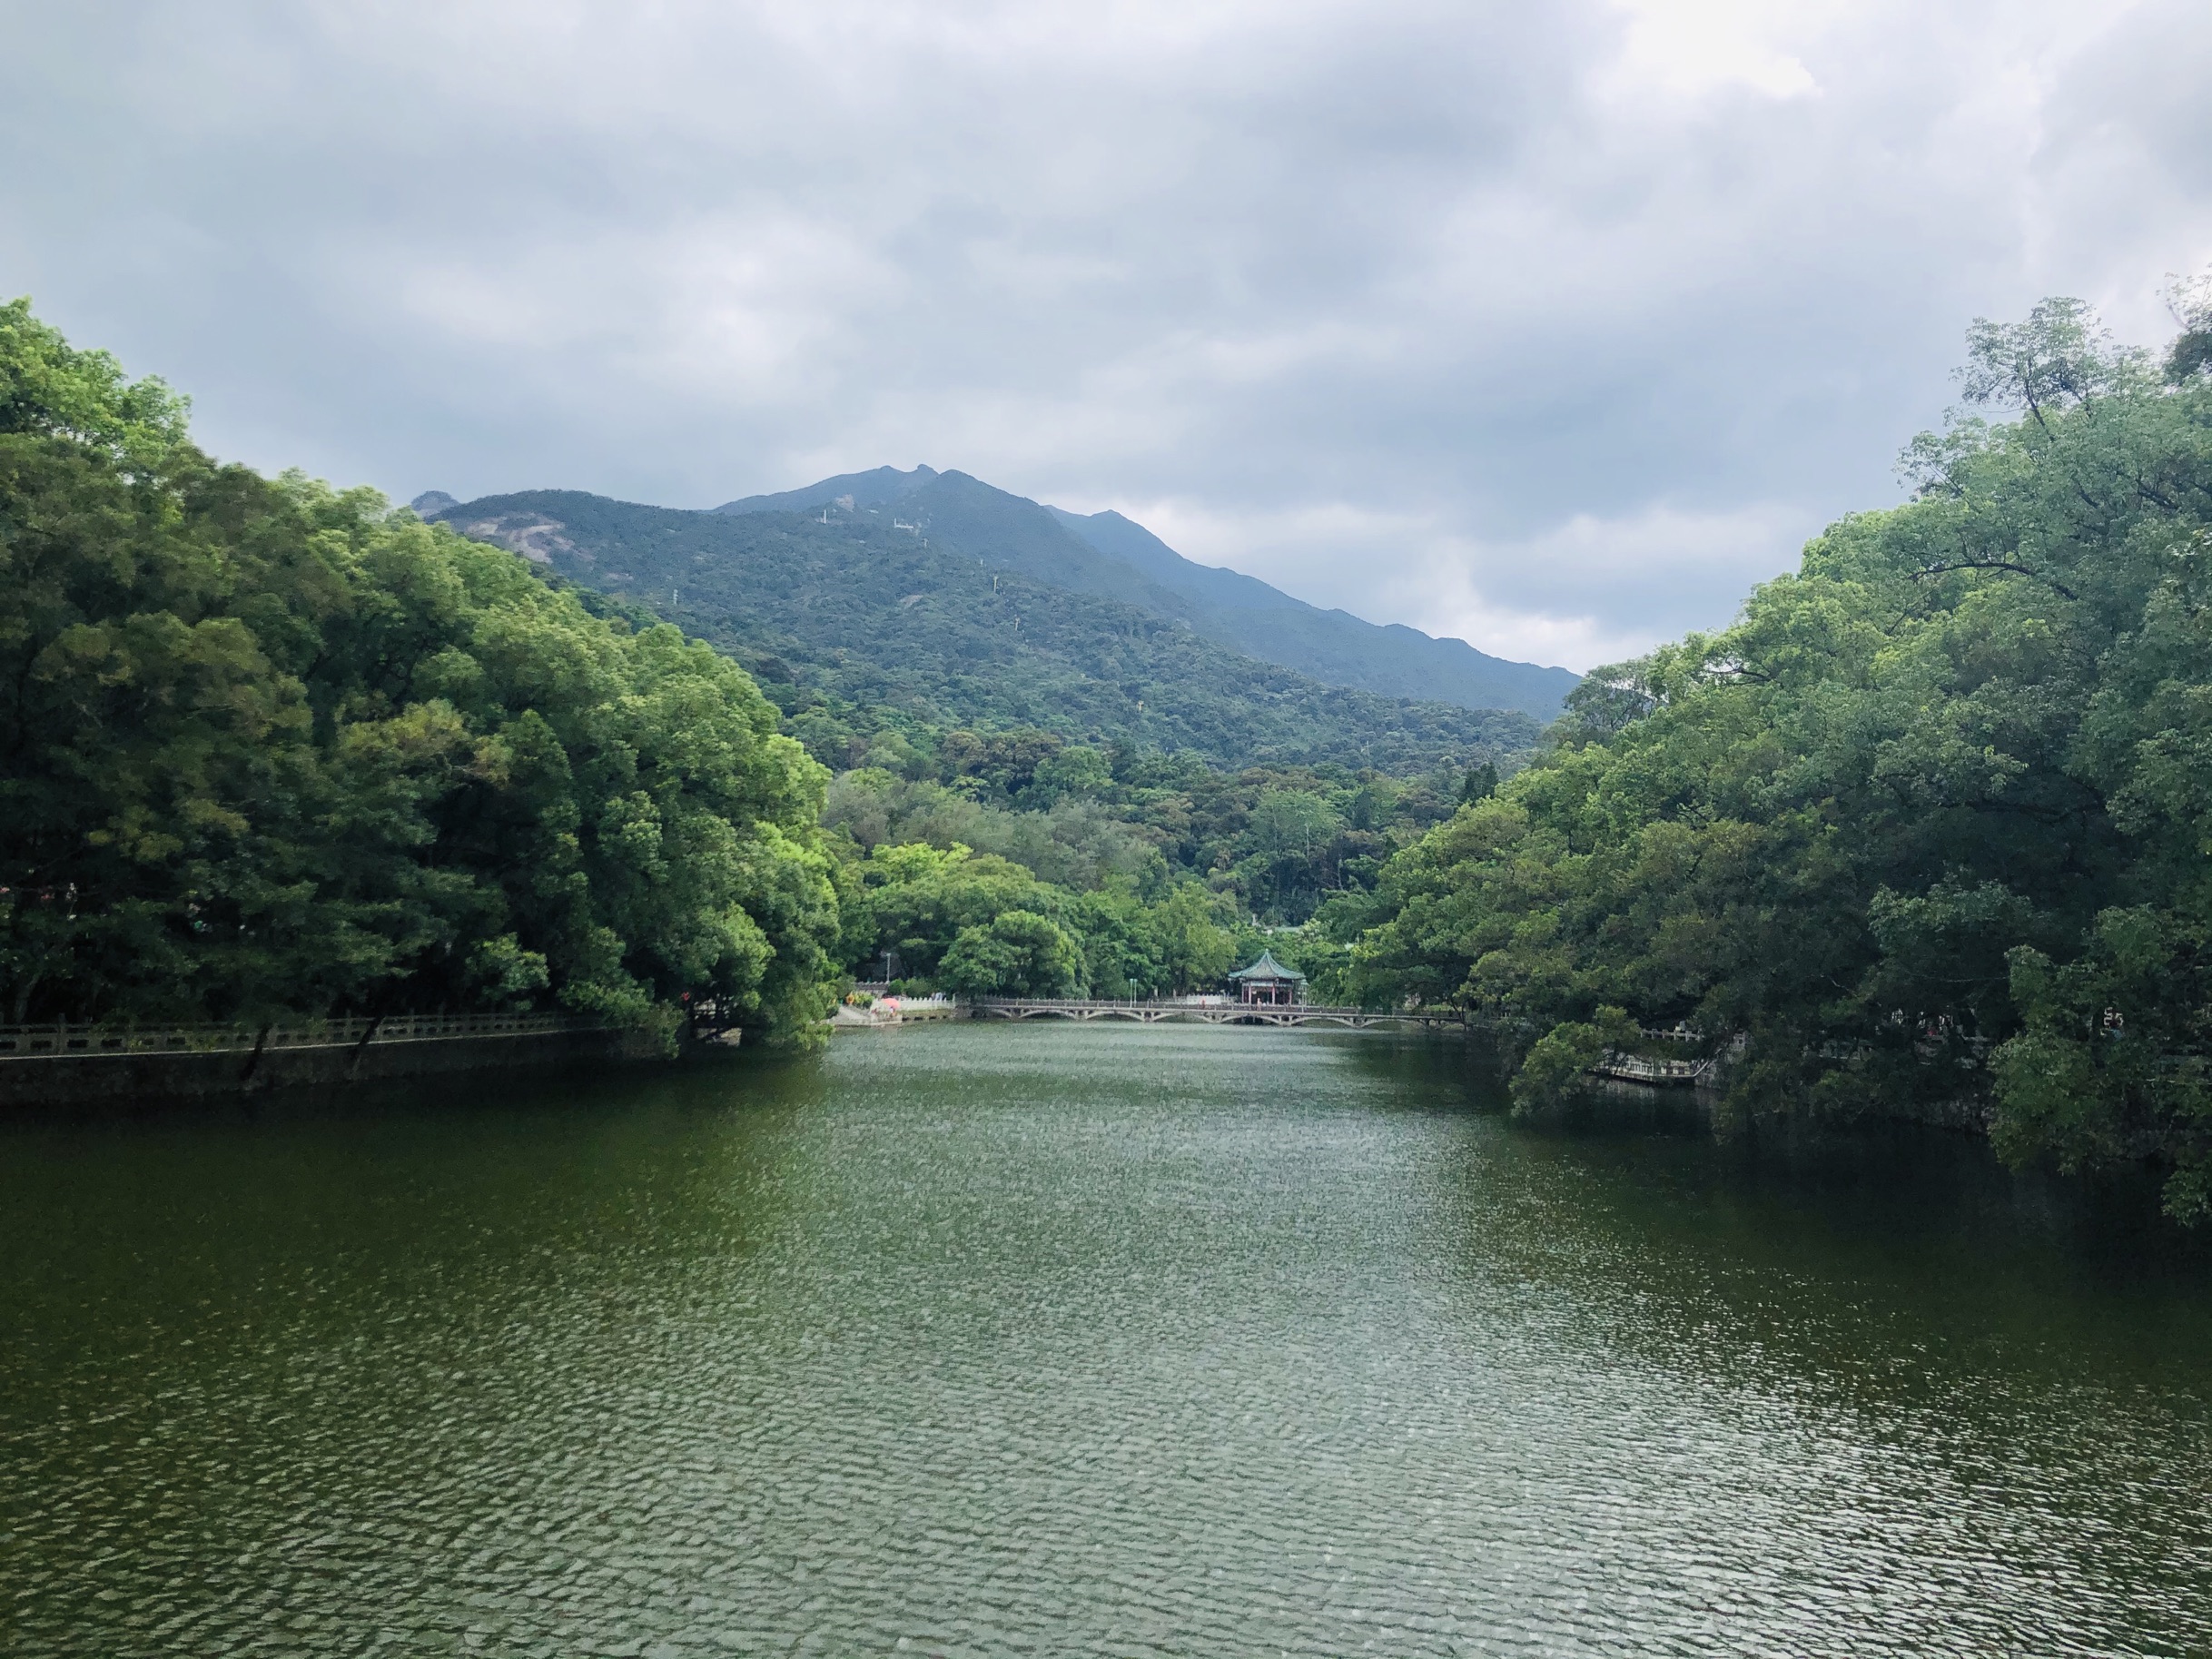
[(1213, 1013)]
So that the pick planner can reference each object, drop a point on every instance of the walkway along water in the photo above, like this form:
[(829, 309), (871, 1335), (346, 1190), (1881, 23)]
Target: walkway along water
[(62, 1062)]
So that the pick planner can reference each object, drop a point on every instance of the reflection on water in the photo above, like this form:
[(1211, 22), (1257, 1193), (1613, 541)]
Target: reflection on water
[(985, 1340)]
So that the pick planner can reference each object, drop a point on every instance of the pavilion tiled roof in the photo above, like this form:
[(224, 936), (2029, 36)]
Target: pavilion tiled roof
[(1267, 967)]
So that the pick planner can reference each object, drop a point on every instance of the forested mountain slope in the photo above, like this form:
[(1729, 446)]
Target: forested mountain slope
[(857, 604), (1334, 646), (1105, 553)]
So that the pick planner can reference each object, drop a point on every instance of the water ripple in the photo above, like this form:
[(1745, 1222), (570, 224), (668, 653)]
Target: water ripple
[(1001, 1342)]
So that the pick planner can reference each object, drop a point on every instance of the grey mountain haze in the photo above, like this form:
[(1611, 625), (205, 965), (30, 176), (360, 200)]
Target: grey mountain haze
[(1116, 558)]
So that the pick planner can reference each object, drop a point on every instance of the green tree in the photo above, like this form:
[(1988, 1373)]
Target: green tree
[(267, 748), (1924, 828), (1286, 847), (1122, 952), (917, 900), (1480, 785), (1016, 953), (1195, 951), (1076, 771), (1558, 1063)]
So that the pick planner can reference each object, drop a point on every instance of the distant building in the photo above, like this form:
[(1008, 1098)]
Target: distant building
[(1267, 984)]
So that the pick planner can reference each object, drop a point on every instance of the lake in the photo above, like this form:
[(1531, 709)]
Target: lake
[(988, 1339)]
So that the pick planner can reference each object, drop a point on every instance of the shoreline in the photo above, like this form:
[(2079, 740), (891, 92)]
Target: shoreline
[(65, 1065)]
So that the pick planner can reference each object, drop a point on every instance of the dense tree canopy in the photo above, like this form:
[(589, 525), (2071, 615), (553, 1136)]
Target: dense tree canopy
[(272, 749), (1165, 872), (1930, 823), (1017, 952), (939, 916), (1272, 840)]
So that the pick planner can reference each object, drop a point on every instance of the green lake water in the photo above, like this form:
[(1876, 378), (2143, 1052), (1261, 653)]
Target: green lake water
[(987, 1340)]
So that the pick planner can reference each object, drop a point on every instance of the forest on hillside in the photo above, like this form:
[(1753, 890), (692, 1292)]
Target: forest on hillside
[(863, 631)]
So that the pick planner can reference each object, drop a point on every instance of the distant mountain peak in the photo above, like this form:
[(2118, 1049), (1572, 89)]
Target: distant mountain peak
[(1113, 556), (951, 630), (850, 491), (431, 502)]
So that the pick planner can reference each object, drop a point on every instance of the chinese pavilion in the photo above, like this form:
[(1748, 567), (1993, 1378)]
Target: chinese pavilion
[(1267, 984)]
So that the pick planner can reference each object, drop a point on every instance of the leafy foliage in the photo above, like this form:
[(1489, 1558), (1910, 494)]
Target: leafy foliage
[(1273, 842), (271, 748), (1016, 953), (1925, 826), (922, 913)]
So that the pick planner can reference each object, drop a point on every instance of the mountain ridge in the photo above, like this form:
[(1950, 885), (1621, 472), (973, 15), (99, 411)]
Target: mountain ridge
[(1249, 615), (857, 606)]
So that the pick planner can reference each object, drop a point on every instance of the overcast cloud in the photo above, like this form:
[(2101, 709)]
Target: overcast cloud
[(1553, 327)]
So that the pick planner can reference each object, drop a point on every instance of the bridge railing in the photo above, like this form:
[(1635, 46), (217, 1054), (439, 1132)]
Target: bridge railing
[(1221, 1009), (61, 1038)]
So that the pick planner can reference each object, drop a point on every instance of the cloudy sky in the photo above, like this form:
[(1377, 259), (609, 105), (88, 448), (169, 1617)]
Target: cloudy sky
[(1550, 327)]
